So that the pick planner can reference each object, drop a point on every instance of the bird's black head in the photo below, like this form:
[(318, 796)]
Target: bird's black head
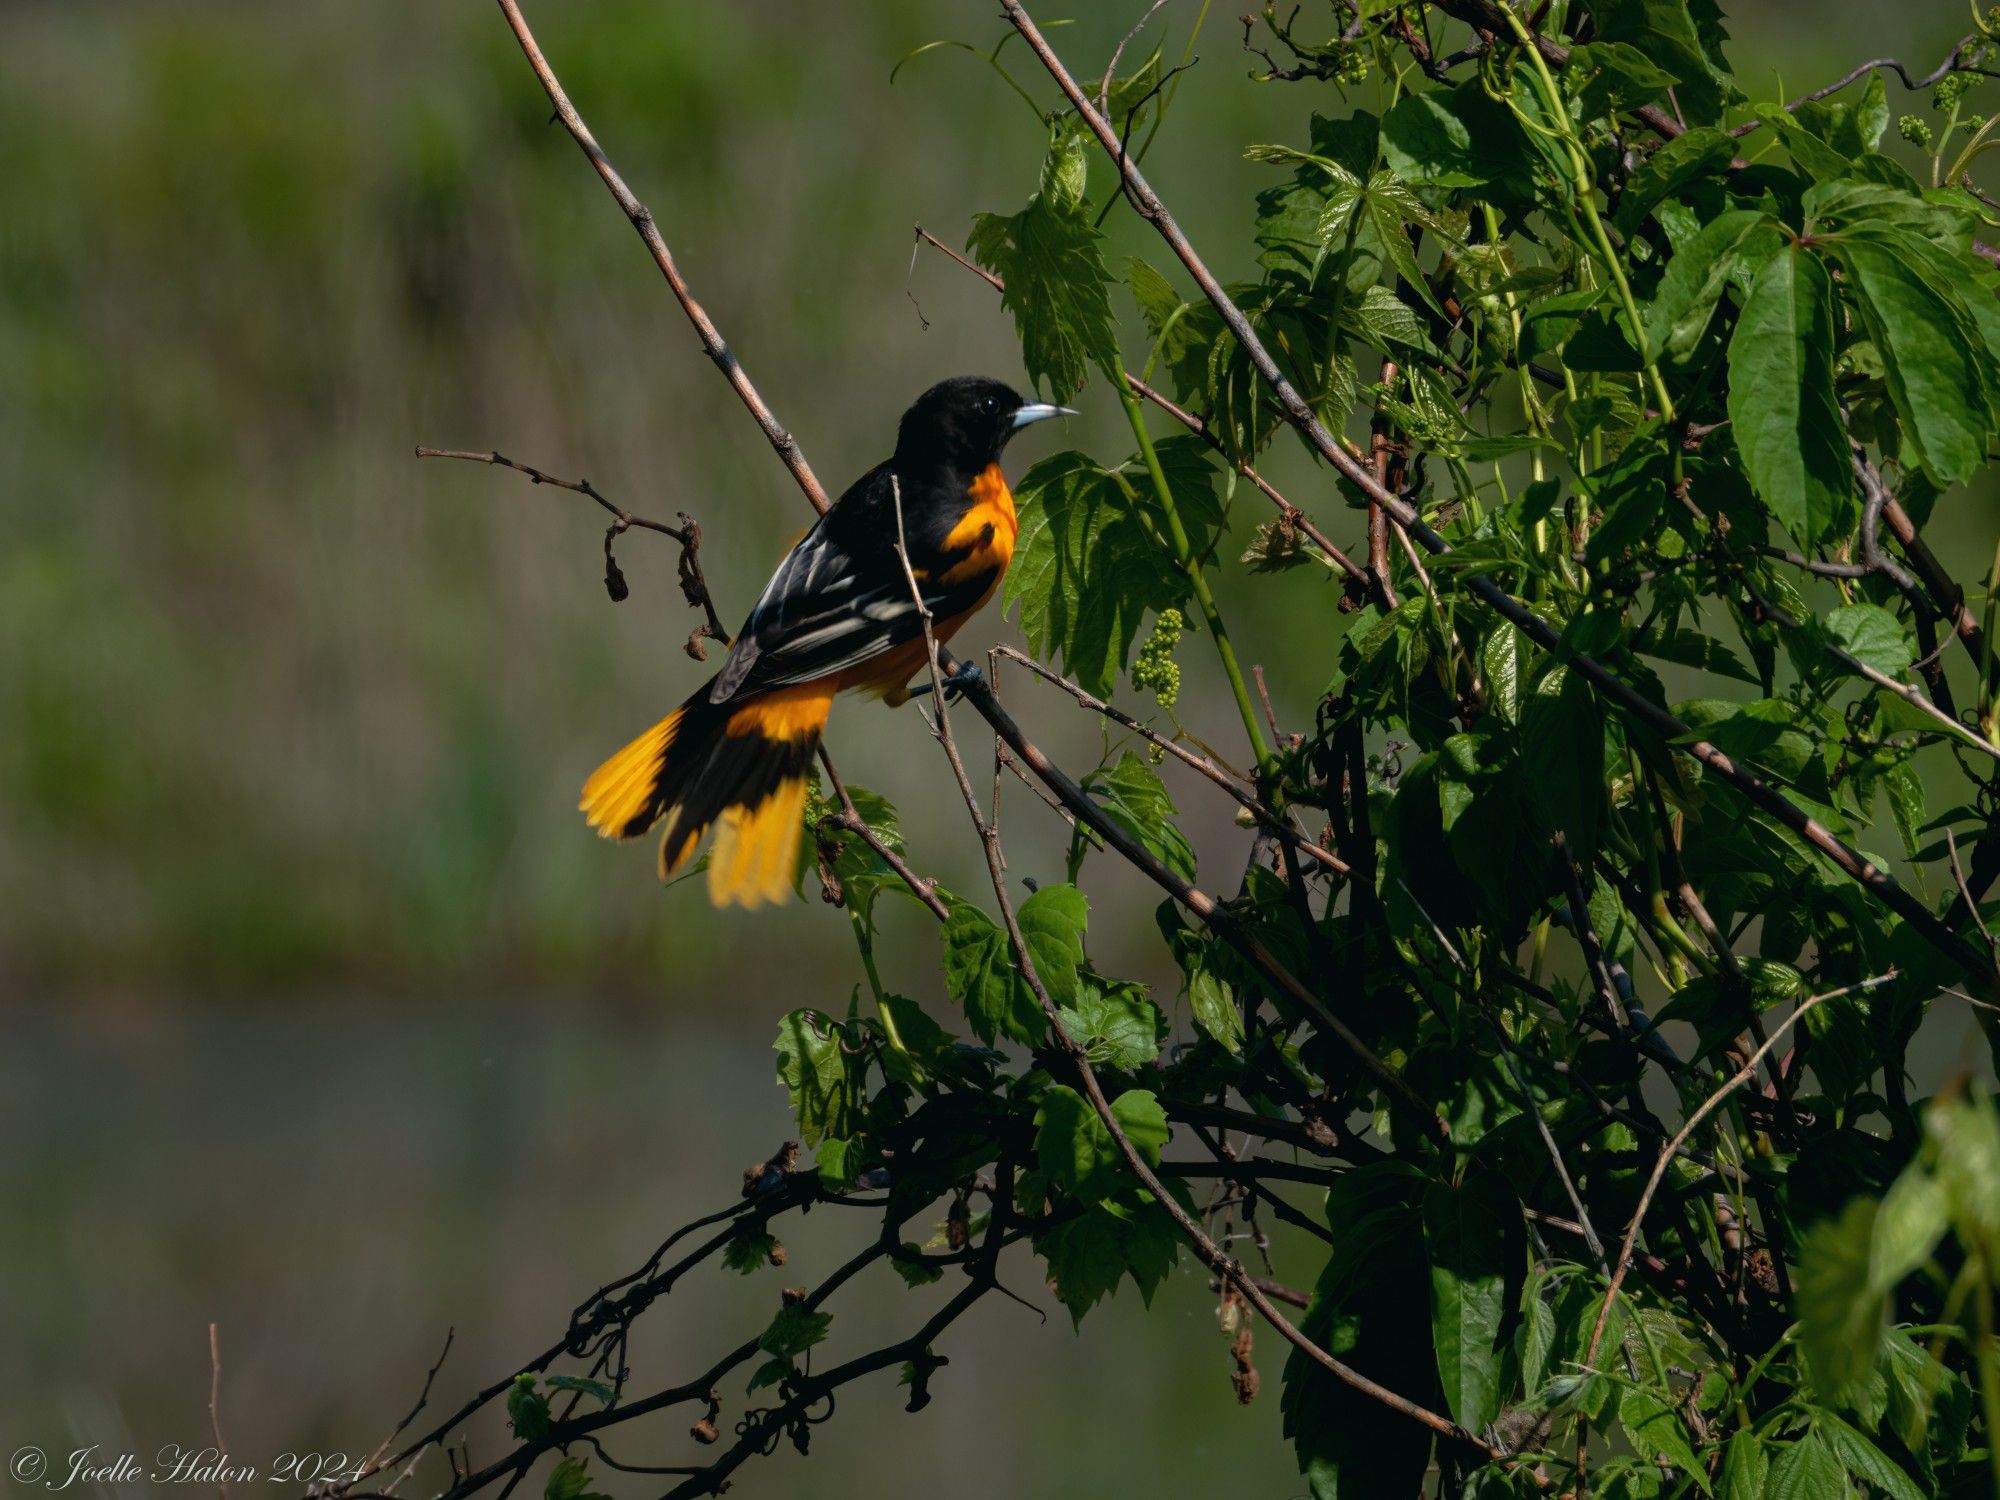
[(963, 423)]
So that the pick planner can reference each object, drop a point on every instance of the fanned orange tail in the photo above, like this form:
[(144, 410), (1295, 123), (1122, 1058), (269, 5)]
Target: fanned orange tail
[(740, 766)]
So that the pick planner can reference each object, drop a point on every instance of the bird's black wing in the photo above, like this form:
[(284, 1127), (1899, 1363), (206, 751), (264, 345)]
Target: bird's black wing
[(839, 598)]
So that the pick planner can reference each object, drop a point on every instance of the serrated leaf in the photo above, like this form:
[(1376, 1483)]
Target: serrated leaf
[(1913, 1219), (570, 1480), (1057, 288), (1114, 1022), (794, 1330), (1382, 320), (979, 971), (597, 1390), (1667, 34), (827, 1091), (1654, 1429), (1873, 636), (1807, 1469), (1133, 796), (527, 1409), (1745, 1467), (1451, 138), (1863, 1458), (1088, 565), (1781, 404), (1701, 152)]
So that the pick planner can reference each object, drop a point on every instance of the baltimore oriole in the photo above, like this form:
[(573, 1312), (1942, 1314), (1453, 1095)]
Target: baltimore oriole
[(837, 615)]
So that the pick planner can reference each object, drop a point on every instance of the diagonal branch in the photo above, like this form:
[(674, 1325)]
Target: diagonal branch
[(712, 344)]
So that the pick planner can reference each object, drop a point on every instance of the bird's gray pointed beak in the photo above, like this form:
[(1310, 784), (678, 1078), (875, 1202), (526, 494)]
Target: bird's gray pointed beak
[(1039, 411)]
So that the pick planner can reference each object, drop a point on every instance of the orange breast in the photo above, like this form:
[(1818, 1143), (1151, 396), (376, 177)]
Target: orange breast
[(987, 529), (987, 532)]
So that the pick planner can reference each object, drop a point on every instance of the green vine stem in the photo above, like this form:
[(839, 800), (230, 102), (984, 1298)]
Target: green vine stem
[(1191, 565)]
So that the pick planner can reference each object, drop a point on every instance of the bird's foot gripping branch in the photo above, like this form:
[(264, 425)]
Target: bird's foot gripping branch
[(1615, 830)]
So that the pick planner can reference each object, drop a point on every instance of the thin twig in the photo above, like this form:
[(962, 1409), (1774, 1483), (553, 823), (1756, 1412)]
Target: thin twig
[(1272, 819)]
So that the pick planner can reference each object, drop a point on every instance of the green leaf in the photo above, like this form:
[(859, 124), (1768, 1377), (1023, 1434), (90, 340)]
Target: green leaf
[(1696, 276), (1933, 359), (1691, 649), (1052, 922), (1072, 1147), (1667, 33), (1057, 288), (1090, 561), (1863, 1458), (1808, 1469), (1144, 1122), (1085, 1260), (1851, 126), (1562, 737), (979, 971), (1967, 1136), (1873, 636), (794, 1330), (1841, 1316), (1114, 1022), (1451, 138), (1133, 796), (1368, 1310), (862, 873), (749, 1249), (597, 1390), (1782, 409), (1654, 1429), (1383, 321), (768, 1373), (1906, 802), (527, 1409), (915, 1273), (1745, 1467), (1607, 77), (1472, 1252), (825, 1082), (1213, 1001), (570, 1480), (1702, 152)]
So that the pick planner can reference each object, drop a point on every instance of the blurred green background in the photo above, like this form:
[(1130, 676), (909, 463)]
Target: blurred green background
[(325, 1017)]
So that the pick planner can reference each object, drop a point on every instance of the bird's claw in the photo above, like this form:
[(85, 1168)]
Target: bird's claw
[(967, 678)]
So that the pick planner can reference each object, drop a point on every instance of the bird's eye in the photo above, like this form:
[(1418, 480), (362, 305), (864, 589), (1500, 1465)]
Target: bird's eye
[(992, 403)]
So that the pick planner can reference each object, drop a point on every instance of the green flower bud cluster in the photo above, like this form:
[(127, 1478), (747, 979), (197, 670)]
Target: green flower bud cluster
[(1915, 130), (1950, 89), (1353, 66), (1156, 670)]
